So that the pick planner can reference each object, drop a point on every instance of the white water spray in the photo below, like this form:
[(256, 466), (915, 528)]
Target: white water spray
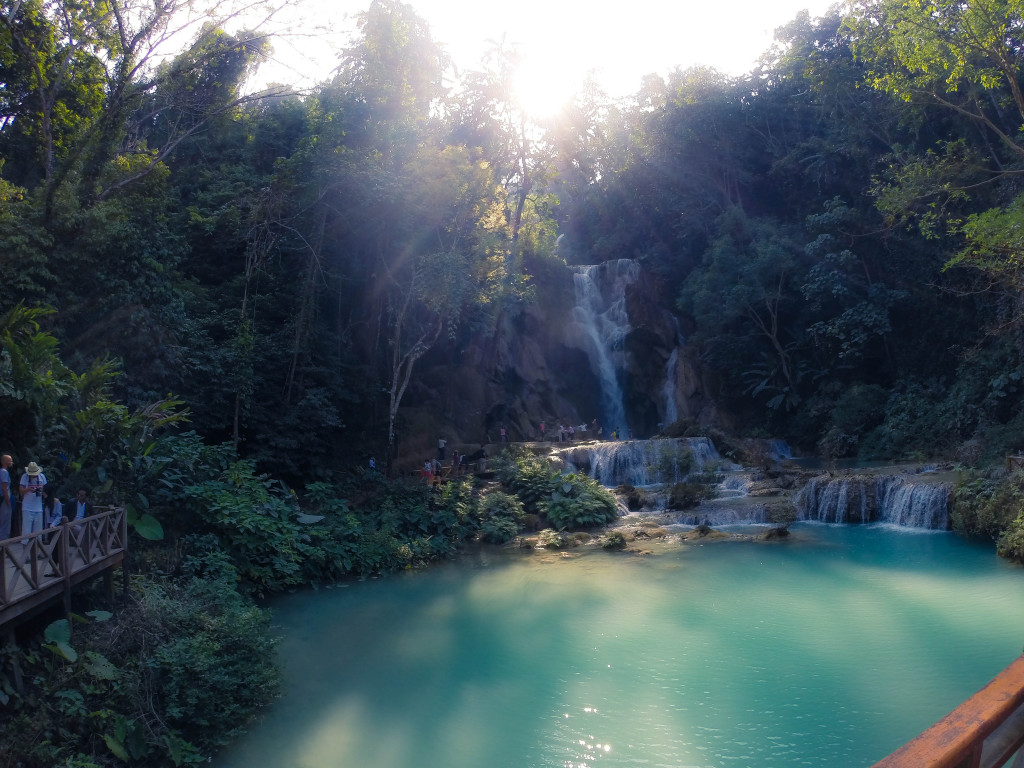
[(644, 462), (601, 314), (894, 499)]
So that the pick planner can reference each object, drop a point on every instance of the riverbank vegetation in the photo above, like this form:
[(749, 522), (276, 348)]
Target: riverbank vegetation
[(837, 231)]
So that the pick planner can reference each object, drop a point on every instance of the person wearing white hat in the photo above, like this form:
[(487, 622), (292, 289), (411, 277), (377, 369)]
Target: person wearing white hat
[(32, 483)]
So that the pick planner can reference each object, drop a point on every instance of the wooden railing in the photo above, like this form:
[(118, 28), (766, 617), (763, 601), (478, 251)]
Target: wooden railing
[(43, 566), (986, 731)]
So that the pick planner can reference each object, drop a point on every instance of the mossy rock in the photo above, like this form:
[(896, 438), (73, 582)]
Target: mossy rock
[(613, 540)]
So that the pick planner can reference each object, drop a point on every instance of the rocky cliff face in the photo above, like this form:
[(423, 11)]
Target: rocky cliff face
[(544, 361)]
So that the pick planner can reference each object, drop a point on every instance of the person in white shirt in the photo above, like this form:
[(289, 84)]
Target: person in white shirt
[(31, 487)]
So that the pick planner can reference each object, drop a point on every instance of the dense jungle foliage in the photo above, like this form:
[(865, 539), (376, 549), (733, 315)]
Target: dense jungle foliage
[(213, 300)]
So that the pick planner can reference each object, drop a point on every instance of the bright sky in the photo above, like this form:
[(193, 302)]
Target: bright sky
[(564, 39)]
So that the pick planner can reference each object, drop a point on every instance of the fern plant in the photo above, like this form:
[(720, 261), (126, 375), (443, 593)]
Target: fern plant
[(579, 501), (501, 516)]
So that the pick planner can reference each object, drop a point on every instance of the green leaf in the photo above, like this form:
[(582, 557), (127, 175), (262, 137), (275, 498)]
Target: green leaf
[(175, 748), (58, 632), (101, 473), (116, 747), (99, 615), (99, 666), (148, 527), (64, 650)]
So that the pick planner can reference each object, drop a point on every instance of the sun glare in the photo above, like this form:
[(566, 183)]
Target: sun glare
[(545, 85)]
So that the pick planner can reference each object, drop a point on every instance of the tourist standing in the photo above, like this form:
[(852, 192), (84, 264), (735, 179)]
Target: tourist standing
[(31, 487), (441, 443), (6, 506), (504, 434), (542, 431)]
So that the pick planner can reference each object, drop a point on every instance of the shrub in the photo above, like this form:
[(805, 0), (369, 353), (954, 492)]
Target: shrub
[(552, 539), (614, 541), (1011, 542), (986, 504), (178, 673), (579, 502), (256, 524), (687, 495), (501, 516)]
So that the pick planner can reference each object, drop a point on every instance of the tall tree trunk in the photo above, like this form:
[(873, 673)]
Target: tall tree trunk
[(306, 305), (402, 364)]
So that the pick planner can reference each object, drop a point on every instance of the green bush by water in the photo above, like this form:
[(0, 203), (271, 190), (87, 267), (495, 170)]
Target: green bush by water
[(177, 673)]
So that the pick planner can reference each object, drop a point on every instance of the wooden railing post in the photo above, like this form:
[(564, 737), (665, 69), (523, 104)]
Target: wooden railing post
[(64, 543)]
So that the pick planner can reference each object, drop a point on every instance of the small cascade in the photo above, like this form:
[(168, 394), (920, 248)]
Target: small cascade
[(669, 392), (671, 413), (779, 450), (715, 515), (830, 499), (642, 462), (866, 498), (600, 312), (912, 505)]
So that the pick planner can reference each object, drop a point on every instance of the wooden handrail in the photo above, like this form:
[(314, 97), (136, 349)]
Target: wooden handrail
[(42, 566), (983, 732)]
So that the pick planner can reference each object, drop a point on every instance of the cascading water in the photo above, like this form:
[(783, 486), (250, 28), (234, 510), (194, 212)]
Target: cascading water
[(643, 462), (912, 505), (671, 410), (834, 500), (891, 499), (600, 312), (671, 414)]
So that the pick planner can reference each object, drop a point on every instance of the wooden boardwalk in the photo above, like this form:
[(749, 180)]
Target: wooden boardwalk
[(44, 567)]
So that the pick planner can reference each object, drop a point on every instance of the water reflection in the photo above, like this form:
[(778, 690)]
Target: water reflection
[(829, 650)]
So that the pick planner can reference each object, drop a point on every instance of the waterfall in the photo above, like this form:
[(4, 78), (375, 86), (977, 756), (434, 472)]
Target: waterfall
[(642, 462), (671, 411), (669, 390), (864, 498), (779, 449), (833, 500), (715, 515), (912, 505), (602, 316)]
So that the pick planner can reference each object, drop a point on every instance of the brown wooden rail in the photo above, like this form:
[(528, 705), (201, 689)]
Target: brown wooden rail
[(44, 566), (983, 732)]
